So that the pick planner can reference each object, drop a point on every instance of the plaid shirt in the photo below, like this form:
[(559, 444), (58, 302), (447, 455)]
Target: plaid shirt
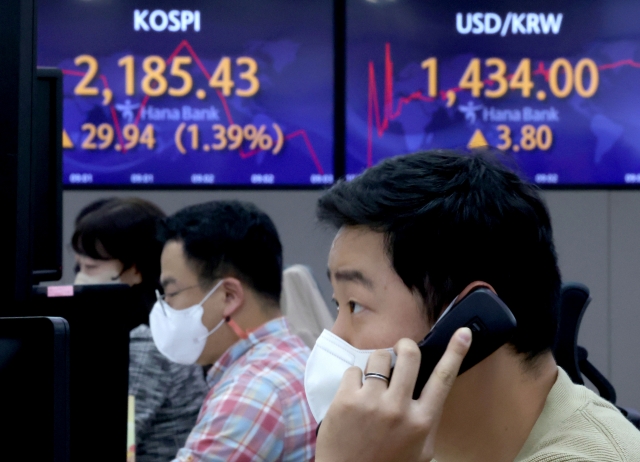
[(256, 409)]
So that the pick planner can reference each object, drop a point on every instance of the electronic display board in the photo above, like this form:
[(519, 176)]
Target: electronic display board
[(555, 84), (193, 92)]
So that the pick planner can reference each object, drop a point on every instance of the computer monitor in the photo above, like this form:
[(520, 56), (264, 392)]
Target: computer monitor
[(237, 94), (17, 55), (99, 322), (34, 389), (553, 84), (46, 176)]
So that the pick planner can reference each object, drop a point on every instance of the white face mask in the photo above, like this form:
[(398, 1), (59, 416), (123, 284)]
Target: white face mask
[(179, 334), (330, 358), (107, 277)]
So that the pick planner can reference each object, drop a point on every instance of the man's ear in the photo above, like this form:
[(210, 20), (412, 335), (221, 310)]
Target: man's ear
[(234, 295)]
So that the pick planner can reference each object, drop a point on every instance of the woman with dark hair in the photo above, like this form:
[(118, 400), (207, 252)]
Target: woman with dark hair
[(117, 237), (115, 241), (85, 277)]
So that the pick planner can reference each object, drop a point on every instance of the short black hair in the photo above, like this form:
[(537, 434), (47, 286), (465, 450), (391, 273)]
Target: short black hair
[(229, 238), (451, 218), (92, 207), (123, 229)]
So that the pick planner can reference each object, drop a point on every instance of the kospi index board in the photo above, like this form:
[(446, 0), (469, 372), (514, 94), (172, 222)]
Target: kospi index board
[(193, 92), (556, 84)]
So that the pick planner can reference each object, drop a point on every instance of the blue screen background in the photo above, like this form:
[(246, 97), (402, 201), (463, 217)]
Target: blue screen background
[(292, 44), (596, 140)]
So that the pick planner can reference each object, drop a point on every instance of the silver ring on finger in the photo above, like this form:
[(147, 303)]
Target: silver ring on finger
[(375, 375)]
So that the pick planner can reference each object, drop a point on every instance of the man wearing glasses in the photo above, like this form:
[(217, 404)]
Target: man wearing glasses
[(222, 276)]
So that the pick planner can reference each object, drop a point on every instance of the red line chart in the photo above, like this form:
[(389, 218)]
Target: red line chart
[(114, 115), (390, 113), (185, 45)]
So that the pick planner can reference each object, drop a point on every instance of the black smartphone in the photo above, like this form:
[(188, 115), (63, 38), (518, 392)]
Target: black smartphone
[(491, 323)]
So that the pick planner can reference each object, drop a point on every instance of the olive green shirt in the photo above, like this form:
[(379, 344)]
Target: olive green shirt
[(576, 425)]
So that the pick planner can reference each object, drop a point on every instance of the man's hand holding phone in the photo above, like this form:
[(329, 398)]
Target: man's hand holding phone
[(378, 421)]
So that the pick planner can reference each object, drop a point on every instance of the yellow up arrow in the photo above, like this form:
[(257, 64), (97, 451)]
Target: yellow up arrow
[(66, 141), (477, 140)]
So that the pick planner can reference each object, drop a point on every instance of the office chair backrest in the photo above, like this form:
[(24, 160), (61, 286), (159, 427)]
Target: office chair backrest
[(303, 305), (574, 299)]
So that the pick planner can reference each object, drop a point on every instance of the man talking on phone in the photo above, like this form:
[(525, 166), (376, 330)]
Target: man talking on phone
[(416, 234)]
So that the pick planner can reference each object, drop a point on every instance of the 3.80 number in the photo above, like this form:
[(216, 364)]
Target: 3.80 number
[(531, 137)]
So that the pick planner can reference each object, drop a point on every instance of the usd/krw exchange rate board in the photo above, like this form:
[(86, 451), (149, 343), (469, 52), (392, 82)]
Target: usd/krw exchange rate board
[(554, 84)]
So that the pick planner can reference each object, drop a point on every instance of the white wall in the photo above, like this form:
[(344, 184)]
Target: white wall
[(596, 234)]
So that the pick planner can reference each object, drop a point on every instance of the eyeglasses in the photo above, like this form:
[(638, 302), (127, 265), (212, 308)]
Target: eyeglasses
[(162, 297)]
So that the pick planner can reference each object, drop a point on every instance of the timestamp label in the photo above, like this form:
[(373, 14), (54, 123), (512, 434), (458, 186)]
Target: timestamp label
[(141, 178), (203, 178), (81, 178), (317, 178), (546, 178), (263, 178), (632, 178)]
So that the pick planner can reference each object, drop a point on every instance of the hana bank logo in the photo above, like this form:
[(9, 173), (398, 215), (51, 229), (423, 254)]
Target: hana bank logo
[(160, 20), (514, 23)]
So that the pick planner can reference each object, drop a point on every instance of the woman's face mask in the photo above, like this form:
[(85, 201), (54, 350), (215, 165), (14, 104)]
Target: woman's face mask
[(94, 271), (102, 278)]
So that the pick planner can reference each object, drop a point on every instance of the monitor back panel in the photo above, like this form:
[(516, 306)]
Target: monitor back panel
[(34, 389), (99, 364)]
